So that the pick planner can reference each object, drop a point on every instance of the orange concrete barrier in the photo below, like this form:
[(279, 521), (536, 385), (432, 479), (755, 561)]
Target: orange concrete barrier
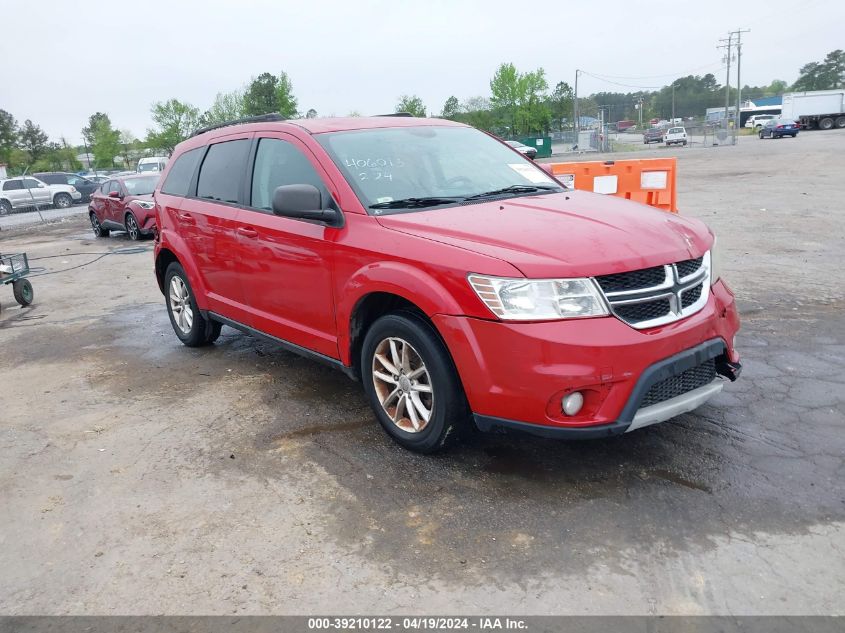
[(648, 180)]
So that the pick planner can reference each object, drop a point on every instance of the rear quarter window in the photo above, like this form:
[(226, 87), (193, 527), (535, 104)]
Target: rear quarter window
[(182, 172)]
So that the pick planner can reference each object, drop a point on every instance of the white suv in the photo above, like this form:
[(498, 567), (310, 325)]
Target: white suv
[(675, 136), (759, 120), (18, 193)]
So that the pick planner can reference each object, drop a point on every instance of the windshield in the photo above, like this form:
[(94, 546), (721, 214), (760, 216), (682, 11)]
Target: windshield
[(140, 186), (148, 167), (428, 162)]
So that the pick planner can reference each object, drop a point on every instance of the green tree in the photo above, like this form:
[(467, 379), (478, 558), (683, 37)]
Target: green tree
[(311, 114), (477, 112), (286, 104), (261, 95), (93, 120), (227, 106), (105, 143), (175, 121), (8, 136), (825, 75), (33, 140), (411, 104), (777, 87), (520, 99), (451, 108), (561, 102)]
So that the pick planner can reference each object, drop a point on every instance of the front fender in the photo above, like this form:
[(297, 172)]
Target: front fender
[(403, 280)]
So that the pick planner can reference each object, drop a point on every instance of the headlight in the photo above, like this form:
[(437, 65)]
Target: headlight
[(144, 204), (540, 299), (73, 189), (715, 263)]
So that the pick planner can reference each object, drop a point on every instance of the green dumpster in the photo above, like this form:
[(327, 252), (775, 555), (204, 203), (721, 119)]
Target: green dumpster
[(543, 144)]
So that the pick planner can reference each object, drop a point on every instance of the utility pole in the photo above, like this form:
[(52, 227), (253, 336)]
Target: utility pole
[(738, 34), (576, 124), (673, 103), (728, 45)]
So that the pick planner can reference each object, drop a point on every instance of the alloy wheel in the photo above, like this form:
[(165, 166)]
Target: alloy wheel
[(132, 227), (403, 384), (95, 225), (180, 305)]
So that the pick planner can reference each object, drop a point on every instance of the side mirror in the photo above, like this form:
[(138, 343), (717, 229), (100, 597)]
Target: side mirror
[(302, 201), (114, 194)]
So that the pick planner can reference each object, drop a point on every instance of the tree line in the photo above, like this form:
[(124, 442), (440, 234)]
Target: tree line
[(519, 103)]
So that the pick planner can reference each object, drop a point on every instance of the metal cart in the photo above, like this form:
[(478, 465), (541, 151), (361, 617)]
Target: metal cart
[(13, 270)]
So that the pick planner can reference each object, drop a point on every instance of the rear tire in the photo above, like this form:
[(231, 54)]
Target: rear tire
[(62, 201), (5, 207), (826, 123), (188, 323), (98, 229), (22, 289), (421, 382), (840, 122)]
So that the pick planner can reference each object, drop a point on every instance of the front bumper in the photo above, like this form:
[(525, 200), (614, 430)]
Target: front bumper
[(76, 195), (515, 374)]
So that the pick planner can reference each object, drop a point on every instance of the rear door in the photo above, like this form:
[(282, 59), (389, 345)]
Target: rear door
[(288, 262), (208, 222), (14, 192)]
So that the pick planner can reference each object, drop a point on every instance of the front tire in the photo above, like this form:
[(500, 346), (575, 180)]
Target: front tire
[(132, 228), (190, 326), (411, 382), (62, 201)]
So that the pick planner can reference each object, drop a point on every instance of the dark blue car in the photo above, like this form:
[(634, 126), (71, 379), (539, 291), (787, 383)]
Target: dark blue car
[(775, 128)]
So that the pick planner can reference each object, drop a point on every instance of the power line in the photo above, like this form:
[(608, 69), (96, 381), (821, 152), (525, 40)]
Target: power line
[(624, 85), (678, 74)]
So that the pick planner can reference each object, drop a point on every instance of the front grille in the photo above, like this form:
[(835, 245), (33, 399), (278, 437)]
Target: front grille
[(688, 266), (634, 280), (691, 296), (655, 296), (686, 381), (639, 312)]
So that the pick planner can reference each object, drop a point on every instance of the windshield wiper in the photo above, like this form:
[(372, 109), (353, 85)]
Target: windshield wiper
[(416, 203), (513, 189)]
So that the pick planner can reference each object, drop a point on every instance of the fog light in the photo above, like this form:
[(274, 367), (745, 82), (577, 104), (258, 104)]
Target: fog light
[(572, 403)]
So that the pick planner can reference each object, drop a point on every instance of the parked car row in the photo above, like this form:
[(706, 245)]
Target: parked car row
[(670, 136)]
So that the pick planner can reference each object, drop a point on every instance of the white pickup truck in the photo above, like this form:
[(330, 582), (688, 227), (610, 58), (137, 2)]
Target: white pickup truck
[(675, 136), (18, 193)]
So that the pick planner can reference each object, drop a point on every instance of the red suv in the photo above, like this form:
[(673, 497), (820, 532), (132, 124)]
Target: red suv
[(452, 276)]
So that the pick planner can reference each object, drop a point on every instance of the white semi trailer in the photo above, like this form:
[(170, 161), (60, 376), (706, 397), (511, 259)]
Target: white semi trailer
[(822, 109)]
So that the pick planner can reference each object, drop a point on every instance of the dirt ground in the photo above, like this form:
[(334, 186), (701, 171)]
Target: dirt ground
[(138, 476)]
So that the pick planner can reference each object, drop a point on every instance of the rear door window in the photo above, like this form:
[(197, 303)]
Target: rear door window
[(12, 185), (181, 173), (222, 171)]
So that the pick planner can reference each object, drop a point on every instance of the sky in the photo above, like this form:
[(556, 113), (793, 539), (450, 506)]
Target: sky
[(71, 58)]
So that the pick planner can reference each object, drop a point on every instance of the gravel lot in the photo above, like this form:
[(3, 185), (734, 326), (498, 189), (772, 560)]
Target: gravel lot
[(139, 476)]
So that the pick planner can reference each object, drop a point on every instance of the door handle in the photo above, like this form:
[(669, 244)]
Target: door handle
[(187, 218), (247, 231)]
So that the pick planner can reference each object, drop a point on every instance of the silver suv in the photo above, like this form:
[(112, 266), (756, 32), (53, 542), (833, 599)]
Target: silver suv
[(18, 193)]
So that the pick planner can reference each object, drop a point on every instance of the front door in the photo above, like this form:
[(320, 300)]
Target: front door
[(288, 262)]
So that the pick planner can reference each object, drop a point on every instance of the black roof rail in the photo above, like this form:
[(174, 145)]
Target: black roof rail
[(396, 114), (261, 118)]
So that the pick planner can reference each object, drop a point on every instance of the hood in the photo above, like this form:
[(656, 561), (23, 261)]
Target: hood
[(569, 234)]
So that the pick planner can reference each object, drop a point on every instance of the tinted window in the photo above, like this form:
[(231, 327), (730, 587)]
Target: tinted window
[(180, 174), (12, 185), (279, 163), (53, 179), (30, 183), (221, 171)]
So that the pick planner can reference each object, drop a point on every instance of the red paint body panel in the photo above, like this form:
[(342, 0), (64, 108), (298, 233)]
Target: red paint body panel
[(302, 281)]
